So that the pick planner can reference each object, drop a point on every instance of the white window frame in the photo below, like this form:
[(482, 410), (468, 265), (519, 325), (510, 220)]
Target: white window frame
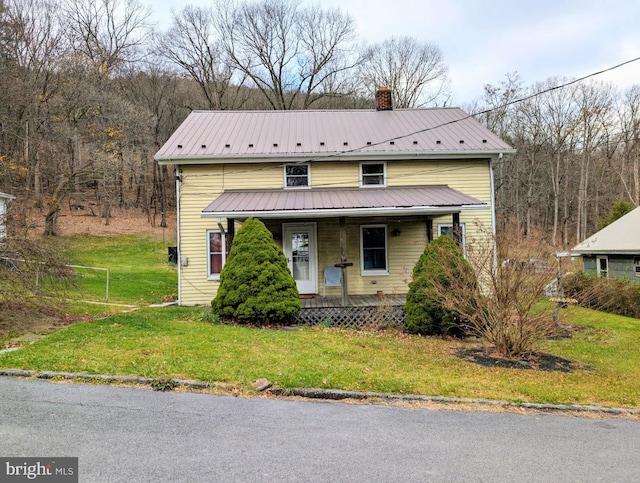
[(449, 227), (368, 271), (362, 175), (307, 186), (599, 271), (636, 266), (215, 276)]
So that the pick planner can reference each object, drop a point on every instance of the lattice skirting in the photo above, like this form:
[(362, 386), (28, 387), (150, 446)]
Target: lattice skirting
[(376, 317)]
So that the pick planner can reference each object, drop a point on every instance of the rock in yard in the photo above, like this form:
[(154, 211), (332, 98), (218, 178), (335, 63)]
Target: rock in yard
[(262, 385)]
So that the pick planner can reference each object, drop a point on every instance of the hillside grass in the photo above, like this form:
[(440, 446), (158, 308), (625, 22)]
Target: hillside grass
[(139, 271), (175, 342)]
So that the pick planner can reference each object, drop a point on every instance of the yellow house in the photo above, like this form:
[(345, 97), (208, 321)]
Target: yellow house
[(351, 196)]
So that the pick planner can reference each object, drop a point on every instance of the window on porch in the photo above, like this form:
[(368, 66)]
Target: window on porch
[(216, 253), (447, 229), (297, 176), (373, 249), (373, 175)]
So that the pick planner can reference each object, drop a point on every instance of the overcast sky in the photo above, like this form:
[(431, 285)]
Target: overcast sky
[(482, 40)]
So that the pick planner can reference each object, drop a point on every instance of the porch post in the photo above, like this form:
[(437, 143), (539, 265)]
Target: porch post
[(343, 260), (429, 221), (457, 233), (231, 229)]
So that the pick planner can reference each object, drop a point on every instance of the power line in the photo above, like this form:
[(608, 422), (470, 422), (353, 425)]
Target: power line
[(448, 123)]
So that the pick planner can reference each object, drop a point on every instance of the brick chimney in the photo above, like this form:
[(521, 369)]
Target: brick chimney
[(383, 99)]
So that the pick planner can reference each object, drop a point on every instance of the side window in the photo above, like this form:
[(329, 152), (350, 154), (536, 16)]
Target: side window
[(373, 174), (447, 229), (602, 266), (216, 253), (297, 176), (636, 266), (373, 249)]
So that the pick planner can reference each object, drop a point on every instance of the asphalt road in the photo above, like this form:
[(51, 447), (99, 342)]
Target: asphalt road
[(127, 434)]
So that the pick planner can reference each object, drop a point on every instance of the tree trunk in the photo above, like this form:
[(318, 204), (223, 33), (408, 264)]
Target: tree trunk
[(58, 197)]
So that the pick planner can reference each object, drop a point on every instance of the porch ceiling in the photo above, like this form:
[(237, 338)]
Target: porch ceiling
[(317, 203)]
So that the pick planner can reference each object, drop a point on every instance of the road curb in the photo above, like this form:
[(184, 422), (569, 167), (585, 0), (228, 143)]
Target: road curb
[(336, 395), (324, 394)]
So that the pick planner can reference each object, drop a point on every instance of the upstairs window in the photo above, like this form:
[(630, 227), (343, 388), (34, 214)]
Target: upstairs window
[(297, 176), (373, 174)]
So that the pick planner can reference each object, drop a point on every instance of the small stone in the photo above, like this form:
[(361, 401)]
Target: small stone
[(262, 385)]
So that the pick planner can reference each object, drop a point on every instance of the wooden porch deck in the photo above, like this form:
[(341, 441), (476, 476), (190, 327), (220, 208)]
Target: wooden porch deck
[(373, 300)]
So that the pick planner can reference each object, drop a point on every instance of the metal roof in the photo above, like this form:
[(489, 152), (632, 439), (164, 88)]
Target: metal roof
[(289, 203), (7, 196), (221, 136), (621, 236)]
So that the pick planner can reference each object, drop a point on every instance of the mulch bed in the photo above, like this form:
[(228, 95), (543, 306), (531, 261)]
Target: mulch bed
[(540, 361)]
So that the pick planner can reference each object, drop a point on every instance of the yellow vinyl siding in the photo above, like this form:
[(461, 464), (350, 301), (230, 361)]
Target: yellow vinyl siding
[(202, 184)]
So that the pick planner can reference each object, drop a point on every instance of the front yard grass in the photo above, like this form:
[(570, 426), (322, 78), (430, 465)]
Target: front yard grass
[(173, 342)]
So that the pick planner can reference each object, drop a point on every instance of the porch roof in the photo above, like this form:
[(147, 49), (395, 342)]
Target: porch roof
[(318, 203)]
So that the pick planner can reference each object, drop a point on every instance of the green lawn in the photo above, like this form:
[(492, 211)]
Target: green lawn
[(173, 342), (138, 269)]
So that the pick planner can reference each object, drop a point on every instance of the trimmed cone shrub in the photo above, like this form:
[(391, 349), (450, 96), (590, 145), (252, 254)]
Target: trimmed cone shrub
[(424, 315), (256, 286)]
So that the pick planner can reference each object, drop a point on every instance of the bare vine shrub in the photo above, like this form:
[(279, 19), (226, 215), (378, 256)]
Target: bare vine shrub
[(504, 307), (30, 269)]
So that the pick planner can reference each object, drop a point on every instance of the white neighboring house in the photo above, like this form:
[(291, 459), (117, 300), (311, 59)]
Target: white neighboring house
[(4, 199)]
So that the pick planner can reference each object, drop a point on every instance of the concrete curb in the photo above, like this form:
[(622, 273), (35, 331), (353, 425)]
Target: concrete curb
[(325, 394), (99, 377), (336, 395)]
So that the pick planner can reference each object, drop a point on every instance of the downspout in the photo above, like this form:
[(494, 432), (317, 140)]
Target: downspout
[(178, 177), (493, 213)]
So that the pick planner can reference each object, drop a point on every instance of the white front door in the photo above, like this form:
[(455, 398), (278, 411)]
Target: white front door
[(299, 245)]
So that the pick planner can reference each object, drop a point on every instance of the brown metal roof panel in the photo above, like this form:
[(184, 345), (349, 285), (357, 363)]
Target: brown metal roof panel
[(273, 132), (239, 201)]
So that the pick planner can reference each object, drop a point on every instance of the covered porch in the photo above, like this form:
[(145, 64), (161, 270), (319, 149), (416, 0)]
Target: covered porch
[(350, 243)]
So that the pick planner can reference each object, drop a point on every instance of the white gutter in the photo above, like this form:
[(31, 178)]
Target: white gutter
[(245, 158), (333, 212)]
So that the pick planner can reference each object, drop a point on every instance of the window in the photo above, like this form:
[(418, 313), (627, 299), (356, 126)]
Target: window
[(373, 249), (636, 266), (297, 176), (216, 253), (447, 229), (373, 174), (602, 264)]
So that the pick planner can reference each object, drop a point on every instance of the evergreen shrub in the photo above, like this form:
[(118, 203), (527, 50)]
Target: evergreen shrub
[(441, 259), (256, 286)]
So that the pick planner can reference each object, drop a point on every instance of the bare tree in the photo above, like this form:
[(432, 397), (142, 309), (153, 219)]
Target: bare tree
[(291, 55), (628, 168), (415, 72), (107, 33), (34, 43), (193, 44), (594, 101)]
